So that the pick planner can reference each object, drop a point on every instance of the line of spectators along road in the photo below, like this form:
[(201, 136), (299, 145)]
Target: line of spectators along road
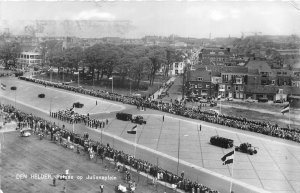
[(164, 89), (71, 117), (47, 128), (178, 108)]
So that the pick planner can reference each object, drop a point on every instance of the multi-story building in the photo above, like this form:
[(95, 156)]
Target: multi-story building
[(283, 77), (27, 59), (214, 56), (177, 68), (199, 84), (264, 70), (233, 82)]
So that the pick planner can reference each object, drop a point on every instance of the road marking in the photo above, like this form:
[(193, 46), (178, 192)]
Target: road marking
[(47, 112), (75, 93), (226, 130), (251, 187)]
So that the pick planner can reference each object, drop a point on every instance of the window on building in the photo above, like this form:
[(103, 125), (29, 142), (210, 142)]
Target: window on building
[(199, 86), (200, 78), (191, 85), (278, 73), (207, 86), (176, 65), (238, 80), (236, 88), (196, 85), (273, 82), (284, 73)]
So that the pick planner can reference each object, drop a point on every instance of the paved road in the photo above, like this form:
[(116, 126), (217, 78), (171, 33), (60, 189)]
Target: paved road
[(158, 142)]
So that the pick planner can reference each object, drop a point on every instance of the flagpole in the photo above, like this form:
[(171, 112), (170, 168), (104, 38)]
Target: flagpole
[(78, 78), (289, 116), (232, 171), (135, 143), (178, 147), (220, 106), (112, 84)]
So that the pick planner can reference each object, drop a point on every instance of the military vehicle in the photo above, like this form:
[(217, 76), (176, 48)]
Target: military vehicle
[(221, 141), (124, 116), (138, 119), (246, 148)]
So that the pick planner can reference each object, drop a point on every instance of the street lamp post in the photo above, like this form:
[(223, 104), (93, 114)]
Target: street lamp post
[(112, 83)]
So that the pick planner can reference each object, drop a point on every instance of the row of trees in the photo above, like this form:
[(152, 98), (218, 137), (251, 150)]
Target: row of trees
[(9, 52), (128, 61)]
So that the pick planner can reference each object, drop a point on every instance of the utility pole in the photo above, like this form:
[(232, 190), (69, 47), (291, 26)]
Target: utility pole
[(183, 82)]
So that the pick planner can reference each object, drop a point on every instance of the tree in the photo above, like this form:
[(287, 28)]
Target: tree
[(9, 52), (157, 56), (138, 69)]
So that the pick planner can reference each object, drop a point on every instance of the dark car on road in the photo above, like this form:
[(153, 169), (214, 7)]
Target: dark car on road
[(221, 141), (124, 116)]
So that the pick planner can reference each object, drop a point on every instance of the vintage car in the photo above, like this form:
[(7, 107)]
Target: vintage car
[(77, 105), (124, 116), (246, 148), (25, 132), (138, 119), (221, 141)]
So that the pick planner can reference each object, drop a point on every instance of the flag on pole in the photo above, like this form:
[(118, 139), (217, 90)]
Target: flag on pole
[(110, 78), (228, 158), (76, 73), (219, 97), (285, 109), (3, 86), (133, 130)]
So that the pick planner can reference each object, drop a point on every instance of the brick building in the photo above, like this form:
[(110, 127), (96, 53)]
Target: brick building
[(199, 84), (214, 56)]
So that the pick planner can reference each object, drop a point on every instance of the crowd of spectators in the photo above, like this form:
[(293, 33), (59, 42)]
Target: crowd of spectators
[(58, 134), (179, 108), (164, 89)]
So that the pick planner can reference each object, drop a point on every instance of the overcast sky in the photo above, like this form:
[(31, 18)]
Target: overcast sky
[(188, 19)]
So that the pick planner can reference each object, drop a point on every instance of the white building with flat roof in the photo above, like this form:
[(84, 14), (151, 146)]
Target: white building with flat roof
[(27, 59)]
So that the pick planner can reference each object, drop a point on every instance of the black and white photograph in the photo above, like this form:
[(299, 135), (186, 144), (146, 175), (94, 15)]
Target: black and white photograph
[(152, 96)]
